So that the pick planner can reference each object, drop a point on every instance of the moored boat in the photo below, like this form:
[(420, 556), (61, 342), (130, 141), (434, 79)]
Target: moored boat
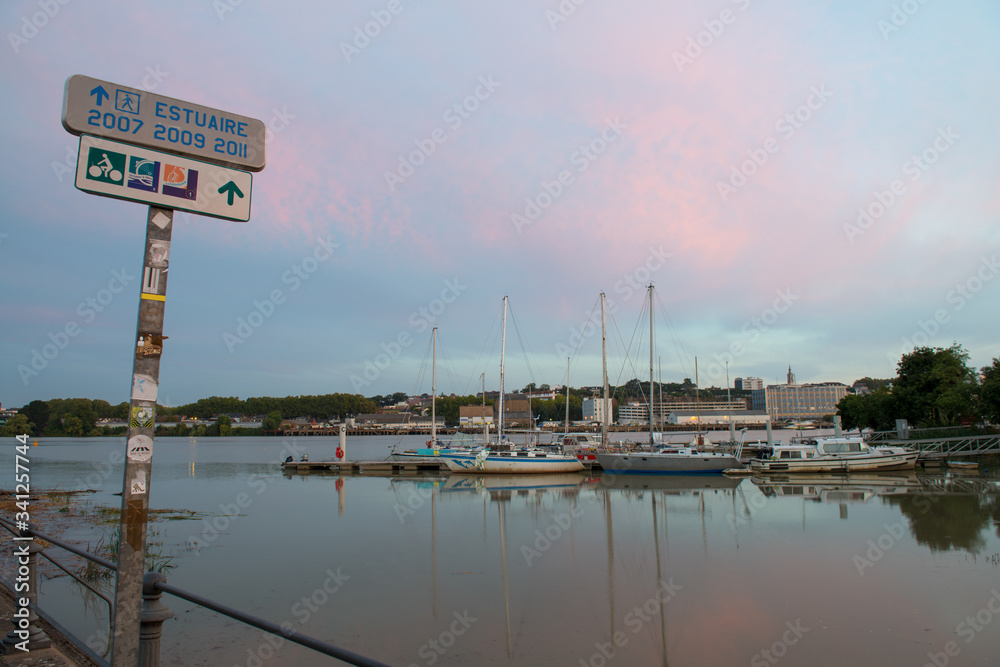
[(668, 461), (503, 457), (511, 462), (834, 454)]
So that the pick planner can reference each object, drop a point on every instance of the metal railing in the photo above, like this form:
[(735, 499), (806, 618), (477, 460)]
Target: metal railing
[(154, 612)]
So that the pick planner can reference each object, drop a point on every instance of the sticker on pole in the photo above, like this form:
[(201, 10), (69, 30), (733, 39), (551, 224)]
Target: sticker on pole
[(140, 448), (143, 387), (137, 486), (142, 417)]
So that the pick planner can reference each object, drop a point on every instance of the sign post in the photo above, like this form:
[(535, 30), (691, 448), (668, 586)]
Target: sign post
[(169, 154), (139, 447)]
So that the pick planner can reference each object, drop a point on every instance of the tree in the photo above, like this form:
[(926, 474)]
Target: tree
[(225, 425), (73, 426), (935, 386), (17, 425), (37, 413), (989, 391), (876, 410), (272, 422)]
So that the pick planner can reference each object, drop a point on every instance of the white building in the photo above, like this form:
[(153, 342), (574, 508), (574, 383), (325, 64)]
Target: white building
[(633, 413), (593, 409)]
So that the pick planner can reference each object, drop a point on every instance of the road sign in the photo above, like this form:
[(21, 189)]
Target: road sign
[(99, 108), (139, 174)]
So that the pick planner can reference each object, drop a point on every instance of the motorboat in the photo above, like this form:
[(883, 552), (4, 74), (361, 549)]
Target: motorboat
[(833, 454)]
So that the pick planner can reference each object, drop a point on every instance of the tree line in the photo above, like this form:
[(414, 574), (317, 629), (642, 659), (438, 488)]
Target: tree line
[(78, 417), (933, 387)]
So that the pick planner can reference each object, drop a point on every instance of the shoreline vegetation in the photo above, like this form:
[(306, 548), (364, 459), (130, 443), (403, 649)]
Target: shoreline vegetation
[(934, 388)]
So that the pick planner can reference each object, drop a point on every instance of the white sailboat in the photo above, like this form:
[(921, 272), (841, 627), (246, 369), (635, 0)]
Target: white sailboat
[(504, 457), (460, 442), (665, 460)]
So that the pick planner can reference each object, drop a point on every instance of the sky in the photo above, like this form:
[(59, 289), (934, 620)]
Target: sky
[(809, 184)]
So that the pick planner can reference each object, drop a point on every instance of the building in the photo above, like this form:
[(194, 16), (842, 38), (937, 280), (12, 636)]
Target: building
[(516, 411), (475, 415), (632, 414), (748, 384), (802, 401), (739, 418), (594, 409)]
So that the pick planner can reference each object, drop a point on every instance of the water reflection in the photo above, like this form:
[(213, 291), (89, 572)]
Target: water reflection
[(576, 569), (945, 521)]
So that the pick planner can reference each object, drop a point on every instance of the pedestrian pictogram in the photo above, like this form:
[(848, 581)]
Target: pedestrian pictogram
[(126, 101)]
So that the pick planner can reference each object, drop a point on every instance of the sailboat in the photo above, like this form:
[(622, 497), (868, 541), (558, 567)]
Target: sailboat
[(434, 448), (503, 457), (664, 460)]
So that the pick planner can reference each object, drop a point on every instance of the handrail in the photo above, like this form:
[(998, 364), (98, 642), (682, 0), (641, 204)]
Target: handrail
[(160, 585), (262, 624), (68, 547), (32, 530)]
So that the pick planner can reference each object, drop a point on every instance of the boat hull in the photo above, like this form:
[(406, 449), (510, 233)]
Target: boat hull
[(894, 461), (511, 465), (667, 464)]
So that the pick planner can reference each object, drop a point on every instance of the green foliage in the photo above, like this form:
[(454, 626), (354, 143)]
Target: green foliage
[(37, 413), (989, 391), (272, 422), (17, 425), (322, 407), (225, 425), (876, 410), (934, 388)]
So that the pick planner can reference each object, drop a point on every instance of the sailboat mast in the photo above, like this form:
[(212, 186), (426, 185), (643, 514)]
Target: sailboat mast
[(434, 337), (503, 345), (604, 374), (486, 424), (652, 425), (729, 400), (567, 395), (697, 397)]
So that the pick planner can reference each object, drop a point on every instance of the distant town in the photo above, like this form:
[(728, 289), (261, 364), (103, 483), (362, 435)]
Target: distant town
[(935, 387), (748, 403)]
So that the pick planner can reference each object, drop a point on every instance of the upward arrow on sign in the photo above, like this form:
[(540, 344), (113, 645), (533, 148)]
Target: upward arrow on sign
[(230, 188), (101, 94)]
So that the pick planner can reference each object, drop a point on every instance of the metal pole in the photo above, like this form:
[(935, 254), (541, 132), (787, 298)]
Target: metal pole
[(434, 389), (604, 376), (139, 447), (154, 613), (503, 346), (652, 424)]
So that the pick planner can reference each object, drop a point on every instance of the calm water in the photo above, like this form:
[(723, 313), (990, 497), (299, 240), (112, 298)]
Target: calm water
[(557, 570)]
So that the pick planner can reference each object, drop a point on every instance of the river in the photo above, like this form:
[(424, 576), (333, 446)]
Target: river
[(890, 569)]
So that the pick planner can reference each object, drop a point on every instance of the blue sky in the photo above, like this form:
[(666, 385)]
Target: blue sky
[(723, 150)]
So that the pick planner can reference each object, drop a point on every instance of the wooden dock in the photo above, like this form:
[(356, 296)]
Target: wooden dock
[(381, 468)]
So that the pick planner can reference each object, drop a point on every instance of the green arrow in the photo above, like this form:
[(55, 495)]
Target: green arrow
[(231, 189)]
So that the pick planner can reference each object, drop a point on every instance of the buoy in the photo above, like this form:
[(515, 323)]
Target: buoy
[(340, 453), (36, 442)]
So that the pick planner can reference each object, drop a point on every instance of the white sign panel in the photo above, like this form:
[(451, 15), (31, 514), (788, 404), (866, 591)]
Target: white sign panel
[(139, 174), (103, 109)]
